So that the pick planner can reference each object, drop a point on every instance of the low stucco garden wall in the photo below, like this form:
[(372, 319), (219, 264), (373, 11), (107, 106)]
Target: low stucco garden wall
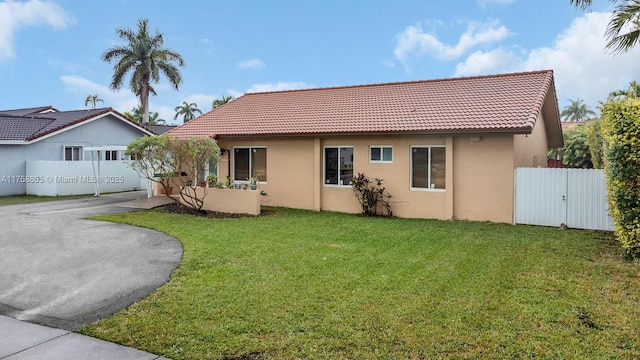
[(233, 201)]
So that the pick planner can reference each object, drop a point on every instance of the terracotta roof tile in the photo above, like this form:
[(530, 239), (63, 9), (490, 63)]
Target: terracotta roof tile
[(507, 102)]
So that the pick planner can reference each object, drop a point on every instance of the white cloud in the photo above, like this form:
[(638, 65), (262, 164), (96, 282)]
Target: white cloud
[(582, 66), (414, 42), (254, 64), (121, 101), (279, 86), (235, 93), (15, 15), (486, 62)]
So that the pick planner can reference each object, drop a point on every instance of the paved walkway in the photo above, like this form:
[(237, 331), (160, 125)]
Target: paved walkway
[(64, 271), (24, 341)]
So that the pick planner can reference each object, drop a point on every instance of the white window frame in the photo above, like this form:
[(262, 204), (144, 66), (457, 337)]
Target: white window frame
[(428, 167), (80, 155), (324, 164), (381, 147), (250, 147)]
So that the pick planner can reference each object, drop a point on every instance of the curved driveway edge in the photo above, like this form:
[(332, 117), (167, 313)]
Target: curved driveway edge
[(62, 270)]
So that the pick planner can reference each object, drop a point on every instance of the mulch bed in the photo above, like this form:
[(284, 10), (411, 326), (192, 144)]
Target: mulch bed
[(176, 208)]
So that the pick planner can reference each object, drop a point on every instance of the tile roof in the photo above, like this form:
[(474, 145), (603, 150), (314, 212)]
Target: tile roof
[(507, 102), (33, 126), (28, 111), (20, 128)]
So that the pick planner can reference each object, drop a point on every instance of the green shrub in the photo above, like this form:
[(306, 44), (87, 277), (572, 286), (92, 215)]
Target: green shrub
[(371, 195), (621, 131), (595, 142), (576, 153)]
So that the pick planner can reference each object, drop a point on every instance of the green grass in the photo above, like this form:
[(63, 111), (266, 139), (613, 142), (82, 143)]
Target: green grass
[(27, 199), (325, 285)]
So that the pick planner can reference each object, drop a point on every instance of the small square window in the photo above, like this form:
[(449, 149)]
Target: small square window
[(380, 154), (72, 153)]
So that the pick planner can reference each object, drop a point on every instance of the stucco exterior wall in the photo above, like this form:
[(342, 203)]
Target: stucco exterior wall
[(406, 202), (483, 177), (290, 169), (531, 150), (103, 131), (479, 173), (295, 174)]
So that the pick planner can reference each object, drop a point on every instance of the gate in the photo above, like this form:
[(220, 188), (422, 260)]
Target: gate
[(551, 197)]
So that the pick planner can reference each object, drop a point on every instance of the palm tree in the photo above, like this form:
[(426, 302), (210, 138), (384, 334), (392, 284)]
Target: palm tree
[(144, 57), (219, 102), (577, 110), (631, 92), (153, 119), (623, 31), (134, 114), (93, 100), (187, 111)]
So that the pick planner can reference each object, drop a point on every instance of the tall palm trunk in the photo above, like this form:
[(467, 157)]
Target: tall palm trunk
[(144, 100)]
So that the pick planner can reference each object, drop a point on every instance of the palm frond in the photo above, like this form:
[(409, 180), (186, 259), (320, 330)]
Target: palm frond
[(623, 30)]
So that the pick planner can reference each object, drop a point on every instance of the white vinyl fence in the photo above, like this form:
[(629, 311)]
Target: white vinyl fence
[(59, 178), (551, 197)]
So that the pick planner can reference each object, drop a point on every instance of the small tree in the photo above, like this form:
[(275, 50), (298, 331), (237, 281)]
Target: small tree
[(151, 159), (575, 152), (190, 159), (371, 195)]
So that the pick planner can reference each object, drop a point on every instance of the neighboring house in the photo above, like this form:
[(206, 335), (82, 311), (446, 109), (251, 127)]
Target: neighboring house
[(45, 133), (446, 149)]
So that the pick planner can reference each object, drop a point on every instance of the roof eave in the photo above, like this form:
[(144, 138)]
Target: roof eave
[(514, 131)]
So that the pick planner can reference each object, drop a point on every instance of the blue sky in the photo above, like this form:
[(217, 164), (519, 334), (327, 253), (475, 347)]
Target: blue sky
[(50, 50)]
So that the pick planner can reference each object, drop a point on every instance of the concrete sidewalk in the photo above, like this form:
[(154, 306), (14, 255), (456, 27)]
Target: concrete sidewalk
[(21, 340)]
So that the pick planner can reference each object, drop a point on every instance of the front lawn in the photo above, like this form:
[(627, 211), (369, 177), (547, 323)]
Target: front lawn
[(312, 285)]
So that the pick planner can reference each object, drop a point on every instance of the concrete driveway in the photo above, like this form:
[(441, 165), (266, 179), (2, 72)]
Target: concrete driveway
[(61, 270)]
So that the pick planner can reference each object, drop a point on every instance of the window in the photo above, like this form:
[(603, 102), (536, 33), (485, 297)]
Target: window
[(380, 154), (250, 162), (210, 169), (428, 167), (338, 165), (73, 153), (111, 155)]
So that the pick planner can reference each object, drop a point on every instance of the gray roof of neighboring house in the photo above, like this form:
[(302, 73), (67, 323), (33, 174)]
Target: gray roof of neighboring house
[(28, 111), (159, 129), (34, 125), (20, 128)]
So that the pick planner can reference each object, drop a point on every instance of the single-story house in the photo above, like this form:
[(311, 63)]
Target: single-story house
[(44, 133), (446, 148)]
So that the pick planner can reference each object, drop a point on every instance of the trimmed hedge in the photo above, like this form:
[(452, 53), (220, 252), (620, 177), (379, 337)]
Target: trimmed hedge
[(621, 131)]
